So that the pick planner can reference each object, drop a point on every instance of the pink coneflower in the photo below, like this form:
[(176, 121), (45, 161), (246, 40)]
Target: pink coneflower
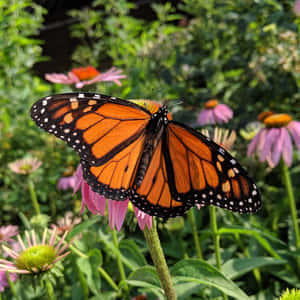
[(35, 256), (3, 280), (66, 223), (25, 166), (274, 141), (116, 209), (86, 75), (296, 8), (214, 113), (6, 232)]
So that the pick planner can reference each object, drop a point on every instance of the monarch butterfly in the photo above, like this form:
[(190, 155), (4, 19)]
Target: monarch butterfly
[(129, 151)]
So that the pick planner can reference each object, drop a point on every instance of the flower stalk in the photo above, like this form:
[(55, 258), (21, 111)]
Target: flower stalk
[(192, 221), (159, 261), (216, 239), (11, 285), (292, 203), (119, 260), (33, 197)]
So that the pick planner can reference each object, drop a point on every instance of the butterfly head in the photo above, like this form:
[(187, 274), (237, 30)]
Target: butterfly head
[(162, 115)]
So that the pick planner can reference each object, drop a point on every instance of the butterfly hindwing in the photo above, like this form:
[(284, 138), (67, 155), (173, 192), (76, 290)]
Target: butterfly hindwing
[(205, 173), (153, 196)]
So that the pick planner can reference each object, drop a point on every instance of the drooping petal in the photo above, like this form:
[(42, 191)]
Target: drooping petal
[(278, 147), (142, 218), (116, 212), (253, 144), (288, 150), (98, 200), (78, 179), (294, 128), (202, 118), (222, 113), (296, 8), (62, 78), (270, 139), (86, 199)]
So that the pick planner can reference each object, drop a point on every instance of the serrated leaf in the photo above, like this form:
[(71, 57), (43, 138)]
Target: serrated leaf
[(193, 270)]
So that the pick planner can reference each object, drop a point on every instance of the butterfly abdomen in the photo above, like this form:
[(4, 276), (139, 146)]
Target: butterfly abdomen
[(154, 131)]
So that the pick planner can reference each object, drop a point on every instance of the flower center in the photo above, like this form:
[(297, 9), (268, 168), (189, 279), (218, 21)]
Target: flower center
[(264, 115), (277, 120), (26, 168), (36, 258), (211, 103), (85, 73), (1, 236)]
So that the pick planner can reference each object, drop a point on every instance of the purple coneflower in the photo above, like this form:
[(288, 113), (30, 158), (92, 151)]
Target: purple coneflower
[(34, 256), (86, 75), (274, 141), (25, 166), (214, 113), (6, 232), (97, 203)]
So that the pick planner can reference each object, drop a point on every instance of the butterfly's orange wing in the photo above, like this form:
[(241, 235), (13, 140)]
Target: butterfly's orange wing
[(153, 196), (96, 126), (205, 173)]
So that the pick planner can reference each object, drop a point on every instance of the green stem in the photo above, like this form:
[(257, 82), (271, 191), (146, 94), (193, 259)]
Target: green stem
[(192, 220), (100, 269), (108, 279), (216, 238), (33, 197), (292, 203), (50, 290), (159, 261), (119, 260), (11, 285)]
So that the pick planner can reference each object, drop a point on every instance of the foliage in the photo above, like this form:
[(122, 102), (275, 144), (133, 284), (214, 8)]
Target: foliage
[(245, 53)]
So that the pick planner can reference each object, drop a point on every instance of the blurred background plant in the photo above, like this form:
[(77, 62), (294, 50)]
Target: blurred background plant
[(243, 53)]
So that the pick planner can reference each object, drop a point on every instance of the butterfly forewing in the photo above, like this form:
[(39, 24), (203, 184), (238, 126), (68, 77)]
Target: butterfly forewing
[(96, 126)]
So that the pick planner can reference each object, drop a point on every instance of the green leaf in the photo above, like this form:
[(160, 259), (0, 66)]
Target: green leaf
[(146, 277), (89, 266), (193, 270), (262, 237), (83, 226), (132, 252), (237, 267)]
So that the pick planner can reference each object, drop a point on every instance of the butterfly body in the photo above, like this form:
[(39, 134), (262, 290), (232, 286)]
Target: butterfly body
[(140, 153)]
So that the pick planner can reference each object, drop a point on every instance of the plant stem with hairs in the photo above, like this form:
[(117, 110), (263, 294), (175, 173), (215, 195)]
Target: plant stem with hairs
[(159, 261)]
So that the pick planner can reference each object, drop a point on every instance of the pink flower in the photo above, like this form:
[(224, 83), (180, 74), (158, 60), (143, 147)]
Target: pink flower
[(66, 183), (6, 232), (275, 140), (116, 209), (25, 166), (85, 76), (297, 8), (3, 280), (214, 113)]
